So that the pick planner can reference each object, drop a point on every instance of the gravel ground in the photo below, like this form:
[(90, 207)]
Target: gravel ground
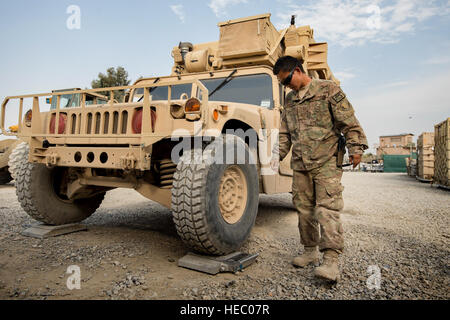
[(392, 223)]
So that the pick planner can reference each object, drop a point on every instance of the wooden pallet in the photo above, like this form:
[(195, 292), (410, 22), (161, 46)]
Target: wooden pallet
[(442, 153), (425, 158), (426, 179)]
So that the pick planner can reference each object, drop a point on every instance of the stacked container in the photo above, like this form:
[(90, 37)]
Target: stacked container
[(442, 153), (425, 160)]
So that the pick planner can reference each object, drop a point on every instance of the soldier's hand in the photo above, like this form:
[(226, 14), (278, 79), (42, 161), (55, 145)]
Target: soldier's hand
[(275, 164), (355, 160)]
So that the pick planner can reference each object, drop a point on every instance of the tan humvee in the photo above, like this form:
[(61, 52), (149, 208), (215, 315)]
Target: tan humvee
[(221, 94), (13, 150), (6, 148)]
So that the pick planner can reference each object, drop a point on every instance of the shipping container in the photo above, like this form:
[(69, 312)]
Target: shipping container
[(442, 153)]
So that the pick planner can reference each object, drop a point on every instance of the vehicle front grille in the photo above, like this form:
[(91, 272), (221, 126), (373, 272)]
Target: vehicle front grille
[(98, 123)]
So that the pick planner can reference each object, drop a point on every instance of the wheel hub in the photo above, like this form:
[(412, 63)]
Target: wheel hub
[(232, 194)]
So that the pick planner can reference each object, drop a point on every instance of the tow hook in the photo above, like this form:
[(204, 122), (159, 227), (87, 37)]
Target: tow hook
[(128, 162), (51, 159)]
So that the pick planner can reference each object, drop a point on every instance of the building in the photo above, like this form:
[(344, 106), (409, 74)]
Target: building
[(399, 144)]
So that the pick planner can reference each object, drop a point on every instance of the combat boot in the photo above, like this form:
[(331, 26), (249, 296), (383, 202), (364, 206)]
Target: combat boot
[(329, 270), (311, 255)]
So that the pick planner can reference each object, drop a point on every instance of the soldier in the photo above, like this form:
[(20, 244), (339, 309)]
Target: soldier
[(316, 118)]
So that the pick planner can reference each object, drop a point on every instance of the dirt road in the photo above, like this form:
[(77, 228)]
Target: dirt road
[(393, 224)]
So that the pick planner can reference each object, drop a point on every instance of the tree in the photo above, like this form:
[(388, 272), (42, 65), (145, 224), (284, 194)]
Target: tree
[(114, 78), (368, 157)]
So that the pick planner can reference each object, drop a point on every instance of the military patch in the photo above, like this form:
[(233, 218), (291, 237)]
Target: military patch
[(338, 97)]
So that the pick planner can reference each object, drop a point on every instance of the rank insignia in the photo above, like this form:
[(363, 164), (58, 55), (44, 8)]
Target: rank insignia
[(338, 97)]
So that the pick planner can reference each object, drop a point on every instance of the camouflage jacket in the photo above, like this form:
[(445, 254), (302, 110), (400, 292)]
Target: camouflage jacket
[(307, 125)]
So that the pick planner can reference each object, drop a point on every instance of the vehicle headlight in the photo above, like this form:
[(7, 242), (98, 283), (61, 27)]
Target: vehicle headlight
[(177, 111), (192, 106)]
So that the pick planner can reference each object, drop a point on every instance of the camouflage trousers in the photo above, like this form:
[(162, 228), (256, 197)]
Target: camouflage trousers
[(317, 196)]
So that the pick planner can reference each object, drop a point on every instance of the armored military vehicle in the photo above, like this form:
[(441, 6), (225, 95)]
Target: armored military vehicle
[(165, 138), (13, 150), (6, 148)]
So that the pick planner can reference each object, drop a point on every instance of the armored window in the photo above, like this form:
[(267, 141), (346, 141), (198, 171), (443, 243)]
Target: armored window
[(253, 89), (75, 102), (161, 93), (282, 94), (64, 101), (90, 100)]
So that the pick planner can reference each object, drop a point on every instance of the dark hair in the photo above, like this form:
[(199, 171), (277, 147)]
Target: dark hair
[(287, 63)]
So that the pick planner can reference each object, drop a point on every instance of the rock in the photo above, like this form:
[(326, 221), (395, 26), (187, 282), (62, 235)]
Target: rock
[(279, 290), (230, 283)]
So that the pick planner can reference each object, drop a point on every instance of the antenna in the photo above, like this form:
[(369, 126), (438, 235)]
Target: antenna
[(293, 20)]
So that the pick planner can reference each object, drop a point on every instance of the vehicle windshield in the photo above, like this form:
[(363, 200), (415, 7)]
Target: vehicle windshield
[(251, 89), (74, 100), (67, 101), (162, 93)]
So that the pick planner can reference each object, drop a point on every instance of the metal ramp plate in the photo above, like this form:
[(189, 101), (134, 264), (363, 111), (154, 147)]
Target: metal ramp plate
[(43, 231), (213, 265)]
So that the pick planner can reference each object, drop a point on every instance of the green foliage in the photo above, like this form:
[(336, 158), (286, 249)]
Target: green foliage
[(368, 157), (113, 78)]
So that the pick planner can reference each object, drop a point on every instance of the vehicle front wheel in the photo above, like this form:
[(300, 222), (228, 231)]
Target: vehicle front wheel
[(215, 203)]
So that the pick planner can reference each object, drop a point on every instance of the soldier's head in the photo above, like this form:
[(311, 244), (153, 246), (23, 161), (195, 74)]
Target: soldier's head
[(290, 72)]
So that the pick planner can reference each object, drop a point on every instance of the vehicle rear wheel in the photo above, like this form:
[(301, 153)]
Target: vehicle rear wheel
[(215, 204), (38, 192), (17, 156)]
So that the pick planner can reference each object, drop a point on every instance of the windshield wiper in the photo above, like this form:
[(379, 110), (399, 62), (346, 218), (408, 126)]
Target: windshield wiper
[(223, 83), (151, 89), (156, 81)]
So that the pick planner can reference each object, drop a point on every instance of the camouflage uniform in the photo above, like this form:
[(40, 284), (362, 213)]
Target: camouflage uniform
[(307, 125)]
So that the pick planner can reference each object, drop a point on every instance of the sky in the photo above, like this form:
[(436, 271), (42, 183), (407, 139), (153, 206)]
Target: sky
[(392, 57)]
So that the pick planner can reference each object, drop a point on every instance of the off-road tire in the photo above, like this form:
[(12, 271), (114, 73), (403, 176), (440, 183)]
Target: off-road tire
[(17, 157), (37, 196), (195, 207)]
